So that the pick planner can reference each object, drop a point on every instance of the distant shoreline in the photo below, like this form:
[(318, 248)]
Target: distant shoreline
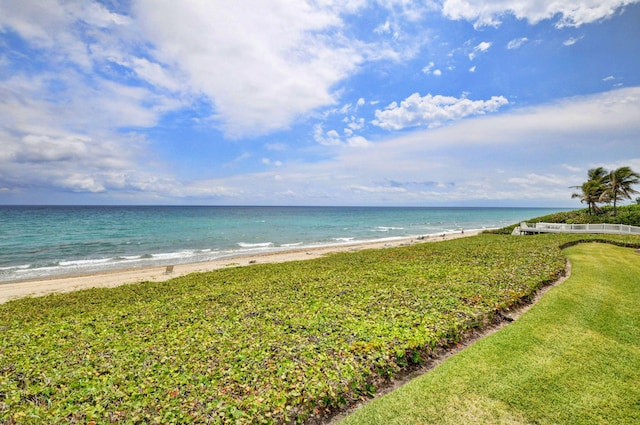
[(110, 279)]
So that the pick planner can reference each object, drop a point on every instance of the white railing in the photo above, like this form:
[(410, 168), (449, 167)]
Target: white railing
[(622, 229)]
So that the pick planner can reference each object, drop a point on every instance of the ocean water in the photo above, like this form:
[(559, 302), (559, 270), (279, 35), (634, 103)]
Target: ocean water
[(48, 241)]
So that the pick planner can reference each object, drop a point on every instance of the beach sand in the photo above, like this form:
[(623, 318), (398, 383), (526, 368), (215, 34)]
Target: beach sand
[(34, 288)]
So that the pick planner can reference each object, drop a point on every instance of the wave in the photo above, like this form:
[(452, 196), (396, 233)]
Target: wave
[(131, 257), (386, 228), (255, 245), (290, 245), (344, 239), (19, 267), (173, 255), (81, 263), (71, 267)]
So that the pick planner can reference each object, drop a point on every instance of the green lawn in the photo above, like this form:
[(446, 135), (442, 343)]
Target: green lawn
[(574, 358)]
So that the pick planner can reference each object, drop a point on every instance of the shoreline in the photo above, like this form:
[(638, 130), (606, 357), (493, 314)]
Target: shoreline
[(109, 279)]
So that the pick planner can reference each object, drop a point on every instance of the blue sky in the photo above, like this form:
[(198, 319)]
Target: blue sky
[(326, 102)]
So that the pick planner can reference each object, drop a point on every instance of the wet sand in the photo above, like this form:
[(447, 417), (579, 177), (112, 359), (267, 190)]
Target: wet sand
[(34, 288)]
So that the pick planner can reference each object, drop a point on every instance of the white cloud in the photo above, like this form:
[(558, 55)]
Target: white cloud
[(63, 132), (333, 134), (41, 148), (572, 168), (609, 78), (567, 13), (432, 111), (571, 41), (71, 162), (533, 179), (480, 48), (68, 100), (354, 123), (155, 74), (61, 26), (329, 138), (472, 69), (333, 138), (516, 43), (267, 161), (483, 47), (427, 69), (263, 64), (378, 189), (383, 28), (357, 142)]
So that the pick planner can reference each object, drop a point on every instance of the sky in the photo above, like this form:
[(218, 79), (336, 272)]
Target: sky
[(315, 102)]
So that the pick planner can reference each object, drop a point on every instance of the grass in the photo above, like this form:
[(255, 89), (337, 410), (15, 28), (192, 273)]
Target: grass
[(272, 343), (574, 358)]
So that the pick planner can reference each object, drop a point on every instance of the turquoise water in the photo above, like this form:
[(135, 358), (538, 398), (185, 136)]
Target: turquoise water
[(48, 241)]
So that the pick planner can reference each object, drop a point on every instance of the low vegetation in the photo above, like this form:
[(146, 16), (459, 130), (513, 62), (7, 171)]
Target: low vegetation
[(573, 359), (267, 343), (629, 214)]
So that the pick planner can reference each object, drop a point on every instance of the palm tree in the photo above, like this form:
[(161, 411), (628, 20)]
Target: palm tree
[(618, 186), (598, 174), (591, 191)]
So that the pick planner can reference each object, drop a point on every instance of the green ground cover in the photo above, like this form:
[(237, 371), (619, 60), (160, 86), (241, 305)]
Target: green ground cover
[(627, 214), (268, 343), (574, 358)]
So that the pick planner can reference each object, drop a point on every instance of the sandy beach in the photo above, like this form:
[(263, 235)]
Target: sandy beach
[(34, 288)]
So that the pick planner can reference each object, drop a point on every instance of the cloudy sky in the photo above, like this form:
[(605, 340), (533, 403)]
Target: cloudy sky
[(315, 102)]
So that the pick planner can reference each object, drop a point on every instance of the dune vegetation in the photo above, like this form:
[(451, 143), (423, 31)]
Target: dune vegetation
[(628, 214)]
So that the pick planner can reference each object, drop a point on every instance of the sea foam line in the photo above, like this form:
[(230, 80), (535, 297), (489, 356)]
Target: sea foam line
[(255, 245)]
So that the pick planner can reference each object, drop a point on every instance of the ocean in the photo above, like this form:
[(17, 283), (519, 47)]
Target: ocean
[(48, 241)]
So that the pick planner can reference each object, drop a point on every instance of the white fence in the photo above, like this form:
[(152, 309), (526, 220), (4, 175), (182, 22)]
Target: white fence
[(621, 229)]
